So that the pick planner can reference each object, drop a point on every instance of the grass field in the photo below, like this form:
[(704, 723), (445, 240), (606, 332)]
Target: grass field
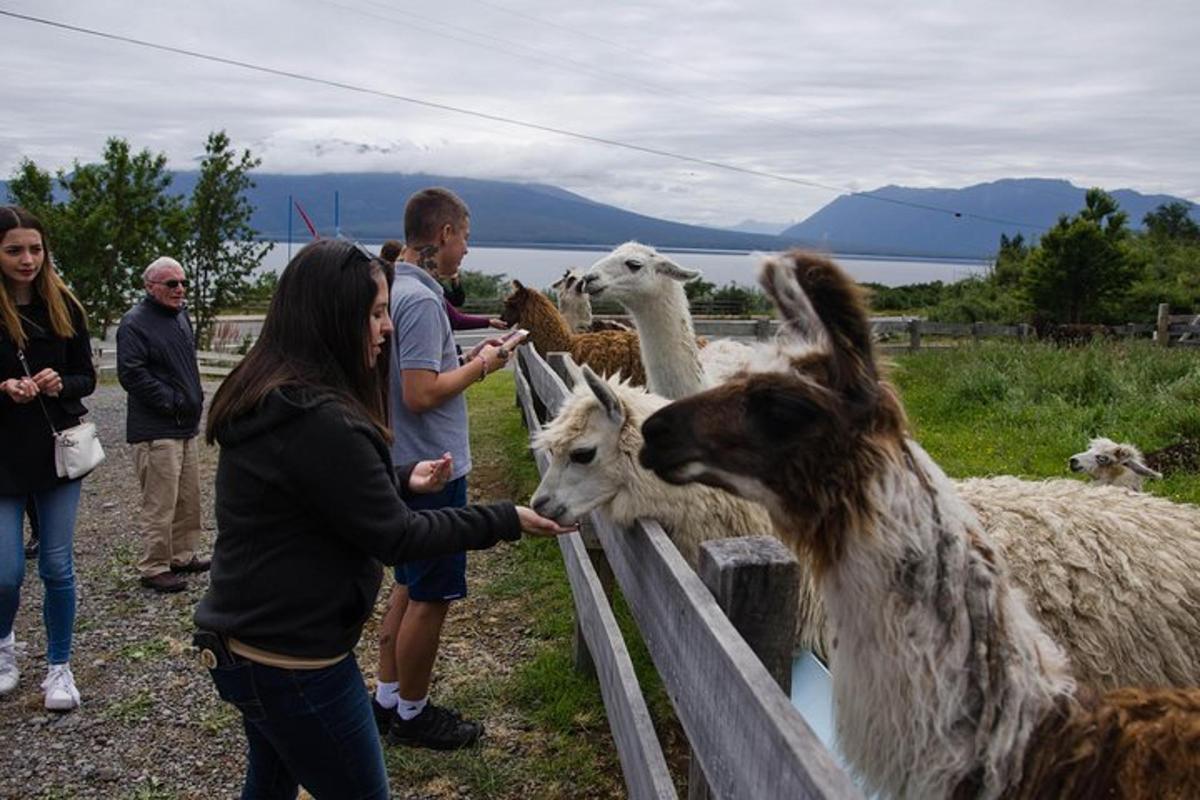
[(1023, 410)]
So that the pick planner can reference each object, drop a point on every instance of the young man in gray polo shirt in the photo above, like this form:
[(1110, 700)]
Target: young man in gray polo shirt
[(429, 417)]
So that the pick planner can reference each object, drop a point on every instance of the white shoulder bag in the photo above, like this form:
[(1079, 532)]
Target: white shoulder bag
[(77, 450)]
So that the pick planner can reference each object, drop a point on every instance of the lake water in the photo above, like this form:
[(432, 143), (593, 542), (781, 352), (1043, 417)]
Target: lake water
[(542, 267)]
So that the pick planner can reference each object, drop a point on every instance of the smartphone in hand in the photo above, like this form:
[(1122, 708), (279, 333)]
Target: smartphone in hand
[(514, 339)]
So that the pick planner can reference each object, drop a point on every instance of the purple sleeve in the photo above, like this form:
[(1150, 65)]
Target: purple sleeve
[(464, 322)]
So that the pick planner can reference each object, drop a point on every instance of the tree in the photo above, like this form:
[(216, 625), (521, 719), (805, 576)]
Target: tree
[(1081, 267), (698, 289), (220, 253), (116, 218), (1172, 221), (1011, 260), (481, 285)]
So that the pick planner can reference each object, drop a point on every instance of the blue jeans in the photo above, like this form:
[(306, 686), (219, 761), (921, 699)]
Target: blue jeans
[(56, 563), (306, 727)]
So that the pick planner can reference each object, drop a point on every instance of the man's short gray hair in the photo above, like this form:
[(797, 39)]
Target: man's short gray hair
[(158, 264)]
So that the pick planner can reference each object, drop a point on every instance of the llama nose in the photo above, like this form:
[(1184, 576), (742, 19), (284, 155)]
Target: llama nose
[(539, 503), (1073, 463)]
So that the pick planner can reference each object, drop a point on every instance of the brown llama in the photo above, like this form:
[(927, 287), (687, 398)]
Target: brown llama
[(945, 686), (607, 352)]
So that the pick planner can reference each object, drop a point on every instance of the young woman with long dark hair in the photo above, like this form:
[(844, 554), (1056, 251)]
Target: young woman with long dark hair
[(308, 508), (45, 370)]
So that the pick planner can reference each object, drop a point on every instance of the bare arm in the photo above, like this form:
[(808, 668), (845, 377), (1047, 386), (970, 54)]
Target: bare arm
[(425, 389)]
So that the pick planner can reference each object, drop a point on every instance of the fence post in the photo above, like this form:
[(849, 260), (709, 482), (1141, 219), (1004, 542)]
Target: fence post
[(762, 329), (1164, 324), (914, 334), (755, 581), (1023, 332), (976, 332), (581, 657)]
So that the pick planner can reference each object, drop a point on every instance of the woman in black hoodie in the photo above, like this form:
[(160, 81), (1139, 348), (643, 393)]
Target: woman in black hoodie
[(308, 507)]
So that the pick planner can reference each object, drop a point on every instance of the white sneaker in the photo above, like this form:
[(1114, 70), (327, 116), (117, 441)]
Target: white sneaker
[(61, 694), (9, 673)]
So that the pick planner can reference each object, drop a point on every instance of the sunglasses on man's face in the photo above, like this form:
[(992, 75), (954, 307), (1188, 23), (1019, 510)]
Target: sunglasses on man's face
[(173, 283)]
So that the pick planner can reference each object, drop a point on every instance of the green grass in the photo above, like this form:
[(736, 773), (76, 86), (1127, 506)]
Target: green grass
[(131, 710), (1007, 409)]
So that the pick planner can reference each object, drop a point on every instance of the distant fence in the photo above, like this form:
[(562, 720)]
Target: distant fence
[(893, 334), (722, 642)]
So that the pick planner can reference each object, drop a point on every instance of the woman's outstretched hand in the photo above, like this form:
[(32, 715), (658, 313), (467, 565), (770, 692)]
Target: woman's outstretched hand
[(431, 476), (535, 524)]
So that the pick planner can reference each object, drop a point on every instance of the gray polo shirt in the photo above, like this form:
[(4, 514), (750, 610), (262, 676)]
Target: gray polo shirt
[(423, 340)]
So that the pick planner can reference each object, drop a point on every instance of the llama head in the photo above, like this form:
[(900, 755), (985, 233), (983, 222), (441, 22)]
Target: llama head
[(1111, 463), (636, 274), (521, 304), (570, 283), (592, 444), (804, 429)]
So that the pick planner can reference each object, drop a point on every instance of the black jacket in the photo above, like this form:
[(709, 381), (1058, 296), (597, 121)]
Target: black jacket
[(26, 446), (156, 363), (307, 507)]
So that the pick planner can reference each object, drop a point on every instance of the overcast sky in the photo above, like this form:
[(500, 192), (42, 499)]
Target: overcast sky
[(847, 94)]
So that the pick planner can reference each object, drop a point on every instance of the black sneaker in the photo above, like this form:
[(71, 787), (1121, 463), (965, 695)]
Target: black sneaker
[(383, 716), (436, 728)]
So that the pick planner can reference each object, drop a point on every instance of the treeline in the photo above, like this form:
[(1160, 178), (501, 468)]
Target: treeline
[(1090, 267), (107, 221)]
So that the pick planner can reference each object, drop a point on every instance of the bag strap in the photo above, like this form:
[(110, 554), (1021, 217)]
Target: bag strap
[(42, 403)]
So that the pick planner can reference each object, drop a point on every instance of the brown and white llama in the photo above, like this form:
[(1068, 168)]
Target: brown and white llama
[(607, 352), (945, 686)]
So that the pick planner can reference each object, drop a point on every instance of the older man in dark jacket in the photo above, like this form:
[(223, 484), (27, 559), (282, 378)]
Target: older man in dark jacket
[(156, 363)]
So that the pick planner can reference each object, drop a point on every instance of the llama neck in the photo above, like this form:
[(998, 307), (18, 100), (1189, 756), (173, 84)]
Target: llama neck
[(547, 327), (668, 343), (940, 673), (1128, 479)]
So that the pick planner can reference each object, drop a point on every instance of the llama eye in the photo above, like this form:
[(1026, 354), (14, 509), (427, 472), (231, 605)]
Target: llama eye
[(583, 456), (633, 264), (1102, 459)]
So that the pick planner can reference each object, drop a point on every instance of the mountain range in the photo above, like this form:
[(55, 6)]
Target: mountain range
[(892, 220), (964, 222)]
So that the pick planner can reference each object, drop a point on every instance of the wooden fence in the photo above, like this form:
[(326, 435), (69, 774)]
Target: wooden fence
[(709, 636)]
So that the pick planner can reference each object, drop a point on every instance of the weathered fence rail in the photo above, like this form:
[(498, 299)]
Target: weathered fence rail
[(744, 733)]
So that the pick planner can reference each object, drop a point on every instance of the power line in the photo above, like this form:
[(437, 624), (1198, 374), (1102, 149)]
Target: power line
[(299, 76)]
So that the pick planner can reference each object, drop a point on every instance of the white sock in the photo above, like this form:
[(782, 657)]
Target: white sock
[(407, 709), (385, 694)]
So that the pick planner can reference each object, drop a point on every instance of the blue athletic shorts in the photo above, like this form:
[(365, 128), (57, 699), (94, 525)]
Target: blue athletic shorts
[(445, 578)]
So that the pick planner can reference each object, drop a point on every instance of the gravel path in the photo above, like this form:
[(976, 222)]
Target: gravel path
[(151, 725)]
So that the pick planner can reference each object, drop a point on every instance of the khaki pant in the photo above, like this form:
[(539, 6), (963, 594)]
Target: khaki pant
[(168, 471)]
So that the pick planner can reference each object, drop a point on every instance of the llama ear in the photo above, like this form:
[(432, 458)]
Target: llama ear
[(604, 393), (516, 284), (1142, 469), (1129, 457), (824, 308), (666, 266), (777, 276)]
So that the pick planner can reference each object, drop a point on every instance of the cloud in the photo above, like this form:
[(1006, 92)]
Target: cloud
[(835, 97)]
